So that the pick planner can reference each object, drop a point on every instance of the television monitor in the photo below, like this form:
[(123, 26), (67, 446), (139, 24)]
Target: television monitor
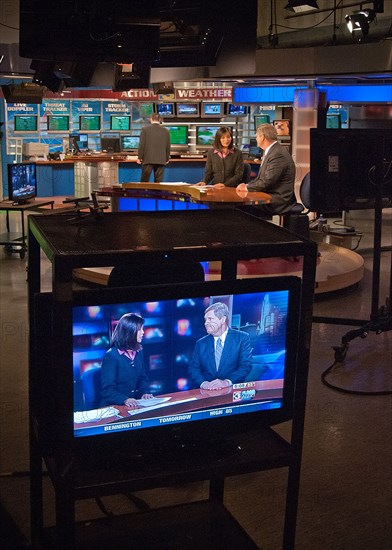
[(58, 123), (237, 110), (90, 123), (261, 119), (268, 311), (178, 135), (22, 182), (120, 123), (130, 143), (110, 144), (213, 109), (333, 121), (348, 167), (78, 142), (146, 109), (25, 123), (165, 109), (188, 110), (205, 135)]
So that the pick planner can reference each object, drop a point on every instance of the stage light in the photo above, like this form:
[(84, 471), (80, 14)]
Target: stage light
[(359, 21), (299, 6)]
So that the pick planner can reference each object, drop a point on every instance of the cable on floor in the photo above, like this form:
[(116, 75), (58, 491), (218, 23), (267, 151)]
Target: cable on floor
[(344, 390)]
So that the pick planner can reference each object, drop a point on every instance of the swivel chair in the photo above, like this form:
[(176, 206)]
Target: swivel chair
[(91, 384)]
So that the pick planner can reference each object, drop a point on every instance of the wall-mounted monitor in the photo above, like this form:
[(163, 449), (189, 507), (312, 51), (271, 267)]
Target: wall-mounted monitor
[(165, 109), (178, 134), (237, 110), (334, 121), (130, 143), (146, 109), (212, 109), (188, 110), (205, 135), (58, 123), (120, 123), (22, 182), (90, 123), (261, 119), (110, 145), (25, 123)]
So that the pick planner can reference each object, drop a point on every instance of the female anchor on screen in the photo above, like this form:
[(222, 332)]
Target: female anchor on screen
[(224, 165), (123, 376)]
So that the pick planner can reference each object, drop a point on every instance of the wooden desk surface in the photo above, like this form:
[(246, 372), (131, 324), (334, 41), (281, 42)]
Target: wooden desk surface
[(33, 204), (207, 194), (187, 401)]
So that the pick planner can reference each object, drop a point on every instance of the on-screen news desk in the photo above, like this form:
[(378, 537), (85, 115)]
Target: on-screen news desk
[(202, 235)]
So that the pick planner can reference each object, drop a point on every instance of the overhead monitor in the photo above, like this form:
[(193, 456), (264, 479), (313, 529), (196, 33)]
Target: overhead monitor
[(213, 109), (165, 109), (90, 123), (58, 123), (261, 119), (25, 123), (188, 110), (120, 123), (237, 110), (146, 109)]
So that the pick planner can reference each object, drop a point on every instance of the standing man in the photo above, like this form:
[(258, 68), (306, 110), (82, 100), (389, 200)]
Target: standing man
[(154, 149), (224, 356), (276, 175)]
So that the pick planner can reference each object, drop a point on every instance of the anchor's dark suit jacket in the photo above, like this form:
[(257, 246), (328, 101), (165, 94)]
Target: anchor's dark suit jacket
[(235, 363), (276, 177)]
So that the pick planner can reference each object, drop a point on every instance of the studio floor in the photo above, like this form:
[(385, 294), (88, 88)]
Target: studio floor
[(346, 483)]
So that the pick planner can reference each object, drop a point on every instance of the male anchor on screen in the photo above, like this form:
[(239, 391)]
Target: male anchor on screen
[(224, 356), (154, 149)]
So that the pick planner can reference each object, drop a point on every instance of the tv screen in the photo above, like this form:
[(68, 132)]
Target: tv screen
[(165, 109), (186, 110), (347, 168), (205, 135), (146, 109), (90, 123), (130, 143), (120, 123), (25, 123), (22, 182), (261, 119), (216, 110), (58, 123), (333, 121), (178, 135), (110, 144), (237, 110), (254, 150), (174, 357)]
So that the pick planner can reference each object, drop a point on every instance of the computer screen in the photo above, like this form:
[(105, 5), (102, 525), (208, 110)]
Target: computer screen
[(261, 119), (120, 123), (58, 123), (130, 143), (146, 109), (205, 135), (178, 134), (110, 144), (90, 123)]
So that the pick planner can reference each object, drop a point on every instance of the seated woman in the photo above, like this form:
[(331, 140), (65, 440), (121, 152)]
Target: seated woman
[(123, 375), (224, 165)]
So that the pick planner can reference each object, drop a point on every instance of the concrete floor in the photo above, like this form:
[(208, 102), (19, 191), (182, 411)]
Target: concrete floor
[(346, 484)]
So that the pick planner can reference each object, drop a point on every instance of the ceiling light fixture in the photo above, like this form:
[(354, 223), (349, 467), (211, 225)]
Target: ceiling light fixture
[(299, 6), (359, 21)]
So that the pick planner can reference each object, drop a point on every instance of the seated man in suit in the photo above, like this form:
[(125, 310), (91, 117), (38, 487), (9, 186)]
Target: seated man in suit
[(224, 356), (276, 175)]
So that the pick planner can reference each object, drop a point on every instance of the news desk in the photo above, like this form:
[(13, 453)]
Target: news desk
[(178, 196), (184, 402)]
